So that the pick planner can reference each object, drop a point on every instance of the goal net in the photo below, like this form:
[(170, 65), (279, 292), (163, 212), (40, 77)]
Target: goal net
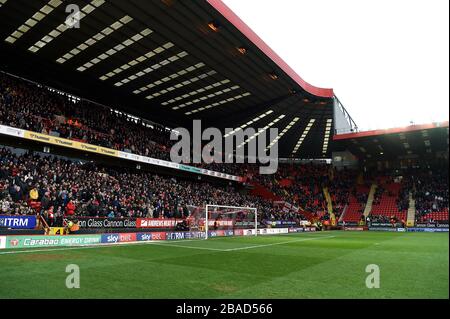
[(219, 221)]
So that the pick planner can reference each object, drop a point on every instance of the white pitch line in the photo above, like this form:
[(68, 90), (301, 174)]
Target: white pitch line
[(155, 243), (45, 250), (87, 247), (275, 244), (241, 248), (189, 247)]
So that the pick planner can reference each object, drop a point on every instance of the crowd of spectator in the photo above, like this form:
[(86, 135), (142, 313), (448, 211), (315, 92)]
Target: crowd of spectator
[(31, 183), (430, 192), (403, 196), (361, 198), (34, 107), (340, 186), (300, 185), (378, 195), (382, 219)]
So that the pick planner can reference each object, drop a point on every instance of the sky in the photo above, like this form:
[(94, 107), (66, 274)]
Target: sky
[(387, 60)]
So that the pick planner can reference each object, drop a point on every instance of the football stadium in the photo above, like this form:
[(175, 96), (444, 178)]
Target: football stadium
[(120, 177)]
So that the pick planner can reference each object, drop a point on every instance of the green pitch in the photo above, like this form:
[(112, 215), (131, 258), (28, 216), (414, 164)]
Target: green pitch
[(321, 265)]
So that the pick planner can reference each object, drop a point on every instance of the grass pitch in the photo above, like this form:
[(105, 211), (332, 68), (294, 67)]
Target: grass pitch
[(321, 265)]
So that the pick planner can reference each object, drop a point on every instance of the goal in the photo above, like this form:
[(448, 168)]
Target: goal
[(230, 219)]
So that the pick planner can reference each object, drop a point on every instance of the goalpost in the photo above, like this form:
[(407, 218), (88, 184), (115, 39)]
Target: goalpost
[(230, 218)]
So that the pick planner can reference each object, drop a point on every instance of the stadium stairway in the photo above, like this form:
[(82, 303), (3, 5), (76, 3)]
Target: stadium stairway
[(327, 195), (411, 219), (344, 212), (370, 199)]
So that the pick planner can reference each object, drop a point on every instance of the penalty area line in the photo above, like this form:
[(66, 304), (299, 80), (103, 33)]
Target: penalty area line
[(282, 243)]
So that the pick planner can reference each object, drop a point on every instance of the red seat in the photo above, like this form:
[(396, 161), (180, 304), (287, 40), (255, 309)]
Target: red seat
[(387, 205)]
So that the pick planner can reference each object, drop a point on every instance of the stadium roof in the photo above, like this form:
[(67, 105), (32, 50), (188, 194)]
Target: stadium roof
[(415, 141), (168, 61)]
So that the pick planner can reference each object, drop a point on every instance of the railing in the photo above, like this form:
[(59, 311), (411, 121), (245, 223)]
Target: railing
[(43, 224)]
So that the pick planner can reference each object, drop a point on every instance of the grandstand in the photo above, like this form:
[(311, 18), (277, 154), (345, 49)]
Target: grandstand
[(86, 117)]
